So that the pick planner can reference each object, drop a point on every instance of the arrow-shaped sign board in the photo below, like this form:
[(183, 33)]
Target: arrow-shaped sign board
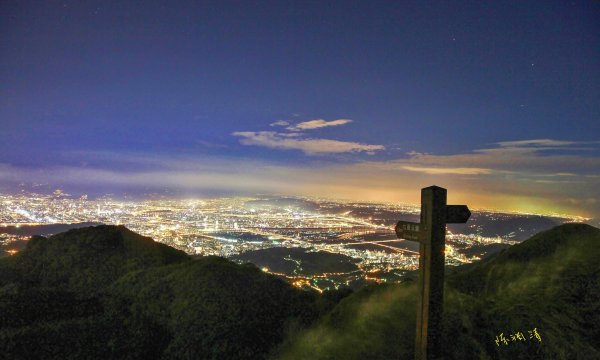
[(409, 231), (457, 214)]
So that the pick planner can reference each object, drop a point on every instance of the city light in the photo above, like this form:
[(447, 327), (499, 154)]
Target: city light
[(231, 226)]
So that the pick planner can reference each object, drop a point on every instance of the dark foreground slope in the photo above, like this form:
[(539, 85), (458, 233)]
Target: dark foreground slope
[(106, 292), (550, 282), (86, 260)]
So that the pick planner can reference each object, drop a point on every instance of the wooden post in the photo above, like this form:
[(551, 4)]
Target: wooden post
[(431, 234)]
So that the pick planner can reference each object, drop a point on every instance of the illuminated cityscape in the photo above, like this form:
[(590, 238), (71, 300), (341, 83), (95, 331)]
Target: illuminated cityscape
[(303, 180), (317, 243)]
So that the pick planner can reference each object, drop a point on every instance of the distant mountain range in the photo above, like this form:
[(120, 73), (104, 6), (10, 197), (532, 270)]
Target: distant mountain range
[(24, 231), (106, 292), (44, 229)]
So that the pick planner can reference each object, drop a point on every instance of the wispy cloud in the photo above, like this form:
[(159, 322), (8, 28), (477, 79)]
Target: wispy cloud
[(309, 146), (279, 123), (455, 171), (524, 156), (293, 139), (535, 142), (316, 124)]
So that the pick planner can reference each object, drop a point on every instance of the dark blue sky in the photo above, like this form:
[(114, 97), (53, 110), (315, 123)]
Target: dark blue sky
[(196, 80)]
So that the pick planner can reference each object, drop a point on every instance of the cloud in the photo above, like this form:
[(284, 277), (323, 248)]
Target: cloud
[(293, 139), (318, 123), (525, 156), (309, 146), (535, 142), (456, 171)]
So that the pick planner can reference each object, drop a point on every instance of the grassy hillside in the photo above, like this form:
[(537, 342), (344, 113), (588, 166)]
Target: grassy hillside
[(214, 308), (86, 260), (550, 282), (106, 292)]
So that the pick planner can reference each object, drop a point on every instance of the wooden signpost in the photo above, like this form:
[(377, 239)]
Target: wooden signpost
[(431, 234)]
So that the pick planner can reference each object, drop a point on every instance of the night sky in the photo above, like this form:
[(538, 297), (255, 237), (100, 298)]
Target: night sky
[(370, 100)]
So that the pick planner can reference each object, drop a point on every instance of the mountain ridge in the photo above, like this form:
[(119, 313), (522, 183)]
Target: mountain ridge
[(106, 292), (550, 282)]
